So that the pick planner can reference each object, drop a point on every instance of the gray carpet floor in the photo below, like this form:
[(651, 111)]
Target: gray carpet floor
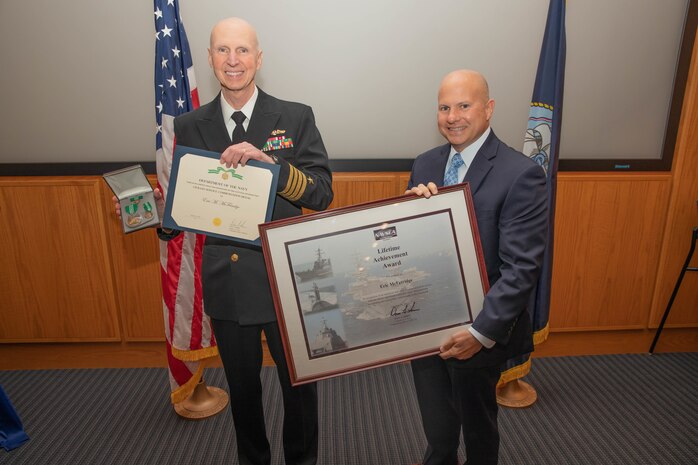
[(611, 409)]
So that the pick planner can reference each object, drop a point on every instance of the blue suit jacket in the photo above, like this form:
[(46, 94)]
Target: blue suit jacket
[(510, 200)]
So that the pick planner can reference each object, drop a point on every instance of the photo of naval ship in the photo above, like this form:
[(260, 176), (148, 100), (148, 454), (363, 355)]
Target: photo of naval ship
[(318, 299), (322, 268), (380, 297), (327, 340)]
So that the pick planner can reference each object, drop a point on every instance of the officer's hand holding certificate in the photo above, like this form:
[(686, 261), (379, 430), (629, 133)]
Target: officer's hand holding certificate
[(209, 198)]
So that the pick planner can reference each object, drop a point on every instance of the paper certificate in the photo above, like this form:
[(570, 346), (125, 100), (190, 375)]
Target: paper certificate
[(372, 284), (209, 198)]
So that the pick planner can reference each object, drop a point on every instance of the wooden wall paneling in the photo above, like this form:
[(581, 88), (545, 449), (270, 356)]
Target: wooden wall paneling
[(594, 271), (46, 356), (402, 180), (682, 218), (684, 310), (565, 344), (136, 263), (354, 188), (153, 354), (608, 233), (56, 278)]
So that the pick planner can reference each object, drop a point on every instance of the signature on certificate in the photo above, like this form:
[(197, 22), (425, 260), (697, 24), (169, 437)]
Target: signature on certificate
[(238, 224), (222, 203)]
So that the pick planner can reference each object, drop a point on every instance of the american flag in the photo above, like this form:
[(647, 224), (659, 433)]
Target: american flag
[(187, 328)]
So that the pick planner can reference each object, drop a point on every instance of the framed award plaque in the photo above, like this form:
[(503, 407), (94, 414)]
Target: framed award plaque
[(374, 284)]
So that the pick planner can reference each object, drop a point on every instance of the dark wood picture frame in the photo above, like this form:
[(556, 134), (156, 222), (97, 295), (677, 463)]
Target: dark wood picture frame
[(374, 284)]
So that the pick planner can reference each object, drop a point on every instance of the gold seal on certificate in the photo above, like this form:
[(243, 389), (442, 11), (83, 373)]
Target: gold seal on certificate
[(209, 198)]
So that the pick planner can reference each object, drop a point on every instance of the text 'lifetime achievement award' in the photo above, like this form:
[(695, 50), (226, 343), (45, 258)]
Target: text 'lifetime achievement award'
[(208, 198)]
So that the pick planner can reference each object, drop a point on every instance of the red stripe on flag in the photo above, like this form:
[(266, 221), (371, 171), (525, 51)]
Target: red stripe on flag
[(198, 314), (174, 263), (178, 368), (195, 98)]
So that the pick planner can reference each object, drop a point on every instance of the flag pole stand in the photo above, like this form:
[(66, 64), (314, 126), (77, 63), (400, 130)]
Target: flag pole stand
[(516, 394), (203, 402)]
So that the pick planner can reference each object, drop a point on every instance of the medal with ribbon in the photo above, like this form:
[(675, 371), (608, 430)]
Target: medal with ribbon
[(148, 210), (132, 209)]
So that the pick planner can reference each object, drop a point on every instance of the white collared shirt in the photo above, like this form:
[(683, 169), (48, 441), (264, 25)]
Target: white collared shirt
[(247, 109), (468, 154)]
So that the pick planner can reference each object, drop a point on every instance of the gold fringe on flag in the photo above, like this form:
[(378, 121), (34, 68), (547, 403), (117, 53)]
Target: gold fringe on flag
[(519, 371), (194, 355), (541, 335), (185, 390), (180, 394)]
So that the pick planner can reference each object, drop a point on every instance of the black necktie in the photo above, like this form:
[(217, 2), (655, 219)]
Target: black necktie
[(239, 131)]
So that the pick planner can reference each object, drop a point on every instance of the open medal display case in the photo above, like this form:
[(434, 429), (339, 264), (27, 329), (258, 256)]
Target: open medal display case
[(135, 195)]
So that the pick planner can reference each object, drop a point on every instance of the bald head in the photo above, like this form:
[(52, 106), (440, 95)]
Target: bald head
[(474, 80), (465, 107), (237, 25), (235, 57)]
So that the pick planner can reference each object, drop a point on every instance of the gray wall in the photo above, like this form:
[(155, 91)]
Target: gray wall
[(77, 76)]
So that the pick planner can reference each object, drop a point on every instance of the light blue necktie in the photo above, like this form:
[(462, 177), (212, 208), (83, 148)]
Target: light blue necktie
[(451, 176)]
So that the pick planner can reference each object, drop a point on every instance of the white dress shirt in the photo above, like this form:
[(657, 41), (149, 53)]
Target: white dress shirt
[(468, 154), (247, 109)]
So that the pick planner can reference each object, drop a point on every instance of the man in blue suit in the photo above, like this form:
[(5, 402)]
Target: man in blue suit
[(457, 388)]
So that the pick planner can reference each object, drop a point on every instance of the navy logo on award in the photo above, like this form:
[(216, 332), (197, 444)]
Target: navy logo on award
[(386, 233)]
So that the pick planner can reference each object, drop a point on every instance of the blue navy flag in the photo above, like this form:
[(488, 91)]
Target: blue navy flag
[(542, 144), (187, 328)]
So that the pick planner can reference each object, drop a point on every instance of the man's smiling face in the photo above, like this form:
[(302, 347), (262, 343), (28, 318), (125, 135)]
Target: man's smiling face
[(235, 57), (464, 109)]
